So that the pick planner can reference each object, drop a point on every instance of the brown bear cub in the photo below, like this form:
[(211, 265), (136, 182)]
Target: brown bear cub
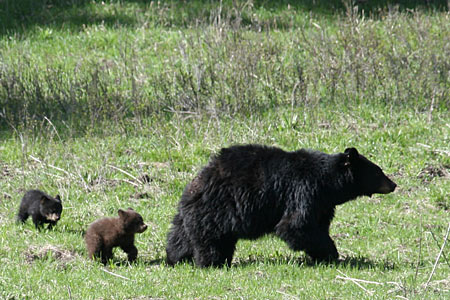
[(41, 207), (105, 234)]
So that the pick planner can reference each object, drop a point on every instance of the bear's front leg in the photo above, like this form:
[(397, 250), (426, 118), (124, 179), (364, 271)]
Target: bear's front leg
[(38, 222), (321, 247), (131, 251), (315, 243), (105, 254), (307, 236), (51, 224)]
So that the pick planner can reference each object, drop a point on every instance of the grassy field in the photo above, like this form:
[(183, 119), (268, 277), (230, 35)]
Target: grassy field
[(120, 103)]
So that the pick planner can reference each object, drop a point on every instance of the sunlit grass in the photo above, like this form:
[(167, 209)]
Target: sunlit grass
[(97, 96)]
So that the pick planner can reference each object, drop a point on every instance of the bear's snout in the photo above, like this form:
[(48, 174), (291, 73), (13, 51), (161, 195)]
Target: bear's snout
[(53, 217), (142, 228), (388, 186), (394, 185)]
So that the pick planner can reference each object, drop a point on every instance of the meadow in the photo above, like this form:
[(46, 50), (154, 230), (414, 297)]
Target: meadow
[(116, 104)]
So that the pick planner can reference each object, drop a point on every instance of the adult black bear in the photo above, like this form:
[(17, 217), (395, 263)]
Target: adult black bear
[(248, 191)]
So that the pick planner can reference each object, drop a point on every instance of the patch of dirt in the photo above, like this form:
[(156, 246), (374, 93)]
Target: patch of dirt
[(443, 205), (144, 298), (440, 286), (40, 253), (103, 183), (145, 179), (428, 173), (341, 236), (147, 192), (143, 195), (160, 165), (5, 171)]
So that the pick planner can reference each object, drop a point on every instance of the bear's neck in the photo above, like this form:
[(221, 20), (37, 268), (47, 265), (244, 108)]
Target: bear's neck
[(341, 187)]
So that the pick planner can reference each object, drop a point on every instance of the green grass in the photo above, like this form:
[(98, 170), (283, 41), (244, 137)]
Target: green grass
[(83, 73), (90, 92), (386, 239)]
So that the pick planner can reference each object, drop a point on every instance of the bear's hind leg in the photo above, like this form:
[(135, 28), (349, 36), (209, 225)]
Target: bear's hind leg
[(228, 246), (215, 254), (94, 245), (131, 251), (22, 216), (178, 246)]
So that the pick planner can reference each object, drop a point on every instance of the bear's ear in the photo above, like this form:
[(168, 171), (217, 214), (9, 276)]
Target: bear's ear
[(351, 154), (129, 208), (43, 199), (58, 198), (122, 214)]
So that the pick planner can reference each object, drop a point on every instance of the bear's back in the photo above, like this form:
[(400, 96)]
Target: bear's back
[(245, 162), (32, 197), (108, 229)]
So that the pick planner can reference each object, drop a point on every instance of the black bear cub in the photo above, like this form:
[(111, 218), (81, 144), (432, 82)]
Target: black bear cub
[(41, 207), (105, 234), (251, 190)]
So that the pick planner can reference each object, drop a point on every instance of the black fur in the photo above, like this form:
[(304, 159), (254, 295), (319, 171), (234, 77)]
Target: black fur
[(41, 207), (248, 191)]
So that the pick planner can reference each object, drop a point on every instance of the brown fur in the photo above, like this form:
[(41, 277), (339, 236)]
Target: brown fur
[(105, 234)]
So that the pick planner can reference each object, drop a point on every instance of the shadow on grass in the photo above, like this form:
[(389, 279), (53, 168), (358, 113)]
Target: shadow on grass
[(360, 263), (154, 262), (351, 262), (118, 262), (22, 15), (363, 263), (80, 232)]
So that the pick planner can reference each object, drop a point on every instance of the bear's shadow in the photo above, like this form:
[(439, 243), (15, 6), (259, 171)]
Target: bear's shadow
[(358, 262)]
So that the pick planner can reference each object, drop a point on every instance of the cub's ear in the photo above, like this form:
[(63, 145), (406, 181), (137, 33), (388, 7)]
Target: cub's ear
[(58, 198), (122, 214), (351, 154), (129, 208), (43, 199)]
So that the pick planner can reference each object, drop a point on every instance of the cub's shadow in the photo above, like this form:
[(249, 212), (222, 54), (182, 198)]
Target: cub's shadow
[(119, 262), (154, 262), (80, 232)]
